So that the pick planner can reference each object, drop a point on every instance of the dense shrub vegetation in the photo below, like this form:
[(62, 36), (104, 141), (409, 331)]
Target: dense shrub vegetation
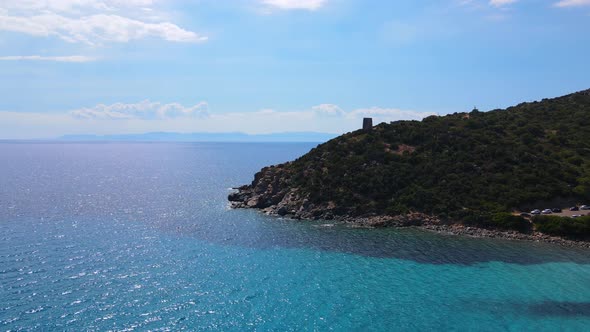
[(464, 167), (577, 228)]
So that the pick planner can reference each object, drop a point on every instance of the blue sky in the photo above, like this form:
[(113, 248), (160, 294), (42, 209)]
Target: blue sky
[(260, 66)]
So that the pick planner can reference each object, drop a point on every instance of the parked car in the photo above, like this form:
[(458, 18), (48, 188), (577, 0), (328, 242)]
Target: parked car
[(585, 207), (536, 211), (574, 208), (547, 211), (556, 210), (576, 216)]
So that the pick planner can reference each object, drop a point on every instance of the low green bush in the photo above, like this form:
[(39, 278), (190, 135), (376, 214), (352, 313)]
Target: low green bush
[(510, 221), (575, 228), (500, 220)]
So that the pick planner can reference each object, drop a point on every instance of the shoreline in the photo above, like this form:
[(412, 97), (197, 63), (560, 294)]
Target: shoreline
[(271, 193), (475, 232), (428, 223)]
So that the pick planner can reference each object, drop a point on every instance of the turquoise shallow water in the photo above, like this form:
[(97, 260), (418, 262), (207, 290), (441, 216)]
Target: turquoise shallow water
[(139, 237)]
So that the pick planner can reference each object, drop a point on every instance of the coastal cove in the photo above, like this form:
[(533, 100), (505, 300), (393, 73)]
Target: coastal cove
[(139, 236)]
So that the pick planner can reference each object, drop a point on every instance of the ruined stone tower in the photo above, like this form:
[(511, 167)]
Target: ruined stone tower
[(367, 124)]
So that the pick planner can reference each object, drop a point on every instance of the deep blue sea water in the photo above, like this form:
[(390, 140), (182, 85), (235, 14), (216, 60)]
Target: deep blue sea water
[(138, 236)]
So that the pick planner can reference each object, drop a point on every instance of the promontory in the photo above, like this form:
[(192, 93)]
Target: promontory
[(471, 170)]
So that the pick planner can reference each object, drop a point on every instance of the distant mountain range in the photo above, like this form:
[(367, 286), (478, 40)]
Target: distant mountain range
[(205, 137)]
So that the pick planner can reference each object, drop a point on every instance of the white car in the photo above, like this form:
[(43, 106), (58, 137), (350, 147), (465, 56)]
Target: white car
[(547, 211), (585, 207), (536, 211)]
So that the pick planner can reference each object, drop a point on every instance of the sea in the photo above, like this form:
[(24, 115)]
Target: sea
[(140, 237)]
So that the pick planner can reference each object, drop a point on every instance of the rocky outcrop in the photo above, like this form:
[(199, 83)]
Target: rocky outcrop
[(271, 192)]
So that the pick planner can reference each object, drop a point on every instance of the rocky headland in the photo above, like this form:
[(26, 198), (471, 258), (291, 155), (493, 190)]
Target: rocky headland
[(464, 173)]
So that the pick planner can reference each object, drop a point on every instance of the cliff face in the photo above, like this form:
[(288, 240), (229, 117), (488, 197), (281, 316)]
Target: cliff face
[(463, 167)]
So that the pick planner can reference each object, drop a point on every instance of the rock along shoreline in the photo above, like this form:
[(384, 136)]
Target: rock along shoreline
[(270, 193)]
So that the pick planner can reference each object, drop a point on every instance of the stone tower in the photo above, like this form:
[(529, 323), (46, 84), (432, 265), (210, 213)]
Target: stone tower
[(367, 124)]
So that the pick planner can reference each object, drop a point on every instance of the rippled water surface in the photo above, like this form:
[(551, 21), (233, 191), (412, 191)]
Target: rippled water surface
[(114, 236)]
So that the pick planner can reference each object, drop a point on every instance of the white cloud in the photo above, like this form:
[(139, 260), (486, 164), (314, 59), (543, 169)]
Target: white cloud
[(388, 114), (572, 3), (145, 110), (295, 4), (378, 113), (68, 58), (146, 116), (96, 29), (73, 6), (328, 110), (90, 22)]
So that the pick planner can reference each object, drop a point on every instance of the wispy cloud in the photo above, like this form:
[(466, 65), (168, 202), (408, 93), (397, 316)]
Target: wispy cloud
[(491, 10), (146, 116), (328, 110), (145, 110), (68, 58), (294, 4), (572, 3), (482, 4), (379, 113), (75, 6), (501, 3), (96, 29), (388, 114), (90, 22)]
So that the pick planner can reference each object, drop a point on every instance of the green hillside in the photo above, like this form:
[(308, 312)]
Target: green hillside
[(464, 167)]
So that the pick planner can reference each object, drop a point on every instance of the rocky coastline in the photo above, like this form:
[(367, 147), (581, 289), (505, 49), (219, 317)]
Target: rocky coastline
[(271, 193)]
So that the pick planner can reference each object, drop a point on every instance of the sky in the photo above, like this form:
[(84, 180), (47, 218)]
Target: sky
[(264, 66)]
